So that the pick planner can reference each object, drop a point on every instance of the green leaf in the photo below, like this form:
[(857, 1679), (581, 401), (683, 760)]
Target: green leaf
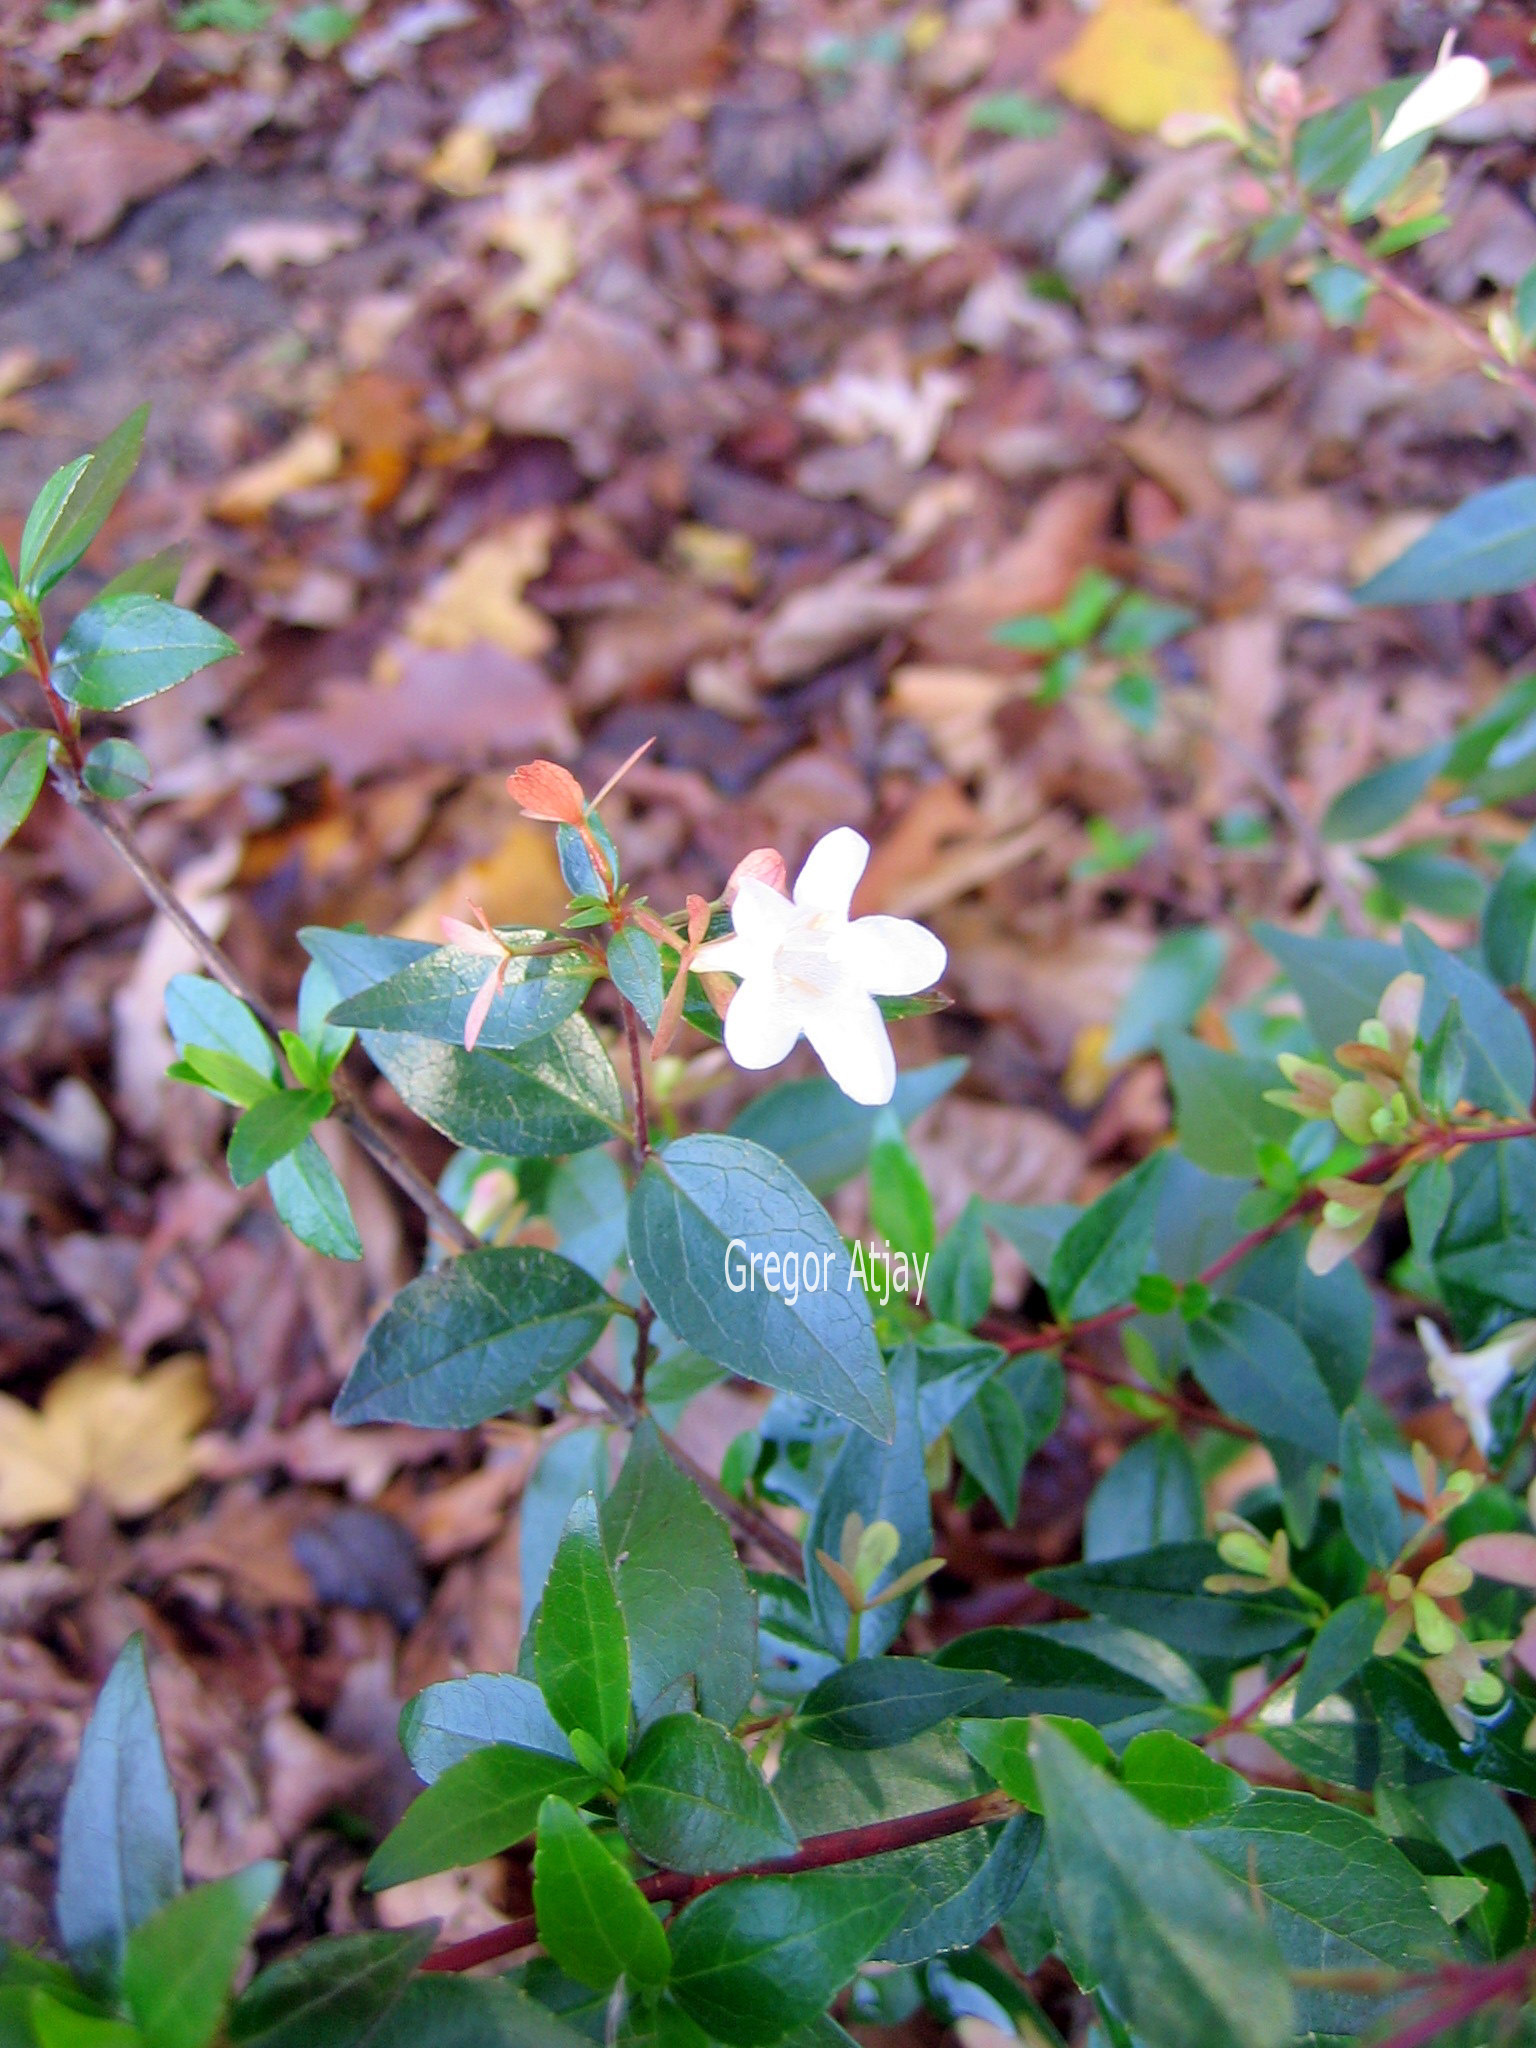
[(222, 1075), (960, 1277), (179, 1967), (593, 1918), (480, 1335), (1257, 1370), (1509, 918), (1162, 1592), (1012, 113), (1501, 1067), (1104, 1253), (1003, 1750), (1150, 1495), (1177, 1781), (1331, 147), (701, 1196), (199, 1012), (581, 1649), (332, 1992), (1379, 800), (23, 767), (900, 1207), (1175, 983), (1431, 879), (479, 1806), (1047, 1674), (1332, 1313), (823, 1137), (1373, 1521), (430, 997), (994, 1443), (877, 1702), (53, 2024), (121, 650), (1485, 1253), (72, 506), (1336, 1895), (1487, 545), (312, 1202), (1184, 1962), (119, 1840), (879, 1483), (688, 1610), (1494, 1749), (755, 1958), (1220, 1113), (115, 769), (156, 576), (1342, 1648), (694, 1800), (1343, 292), (450, 1720), (271, 1128), (1340, 981), (634, 968), (440, 2011)]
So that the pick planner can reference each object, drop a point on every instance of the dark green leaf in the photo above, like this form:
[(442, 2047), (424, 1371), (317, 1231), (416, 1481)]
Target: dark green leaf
[(1342, 291), (179, 1967), (1373, 1521), (687, 1606), (1493, 1751), (1378, 800), (115, 769), (1337, 1896), (1220, 1112), (271, 1128), (1034, 1229), (1162, 1592), (1257, 1370), (759, 1956), (1150, 1495), (1332, 1313), (1340, 981), (694, 1201), (821, 1135), (330, 1994), (1174, 984), (592, 1917), (694, 1800), (1177, 1781), (1183, 1960), (1501, 1067), (879, 1483), (1331, 147), (121, 650), (1431, 879), (993, 1443), (72, 506), (1485, 1254), (479, 1806), (960, 1277), (581, 1648), (483, 1334), (878, 1702), (313, 1203), (1487, 545), (634, 968), (23, 766), (1105, 1252), (467, 2012), (119, 1840), (430, 997), (459, 1715), (1509, 920), (1044, 1674), (1341, 1648)]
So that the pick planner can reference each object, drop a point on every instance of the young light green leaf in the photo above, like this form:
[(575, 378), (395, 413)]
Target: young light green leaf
[(1342, 1647), (1258, 1371), (449, 1720), (73, 505), (1044, 1673), (634, 968), (1184, 1962), (1177, 1781), (1003, 1750), (312, 1202), (592, 1916), (581, 1648), (119, 1840), (222, 1075), (696, 1199), (479, 1806), (757, 1957), (23, 766), (271, 1128), (51, 2023), (1373, 1521), (179, 1967), (333, 1992), (1104, 1253), (480, 1335), (694, 1800), (121, 650), (878, 1702)]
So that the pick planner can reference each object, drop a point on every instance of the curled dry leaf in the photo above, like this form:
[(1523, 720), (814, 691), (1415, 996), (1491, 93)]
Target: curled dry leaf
[(312, 457), (102, 1429)]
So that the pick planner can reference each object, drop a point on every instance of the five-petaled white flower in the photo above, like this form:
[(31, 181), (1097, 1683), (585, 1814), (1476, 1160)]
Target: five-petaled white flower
[(806, 967), (1455, 86), (1472, 1380)]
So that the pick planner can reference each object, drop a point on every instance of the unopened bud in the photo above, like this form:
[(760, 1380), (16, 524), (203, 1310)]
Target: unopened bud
[(763, 864)]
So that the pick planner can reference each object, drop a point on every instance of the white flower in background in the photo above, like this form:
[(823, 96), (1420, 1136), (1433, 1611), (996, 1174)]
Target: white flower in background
[(807, 968), (1472, 1380), (1455, 86)]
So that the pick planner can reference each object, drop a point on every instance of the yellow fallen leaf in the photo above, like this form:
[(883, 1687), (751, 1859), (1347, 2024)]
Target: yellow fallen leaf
[(105, 1430), (1137, 62), (312, 457), (13, 227), (480, 597), (1088, 1073), (545, 243), (518, 882), (463, 161), (717, 557)]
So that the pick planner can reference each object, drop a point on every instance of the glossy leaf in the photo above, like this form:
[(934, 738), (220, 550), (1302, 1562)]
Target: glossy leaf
[(1044, 1673), (1150, 1495), (634, 967), (822, 1136), (1487, 545), (1177, 1781), (465, 2012), (476, 1808), (696, 1199), (116, 769), (1163, 1592), (334, 1991), (483, 1334), (312, 1202), (1340, 981), (1258, 1371), (447, 1721), (592, 1917), (1342, 1648), (960, 1276), (23, 768), (1104, 1253), (878, 1702), (271, 1129), (879, 1483), (1493, 1749), (179, 1967), (1373, 1520), (73, 505), (581, 1649), (430, 996), (900, 1206), (121, 650), (1004, 1750), (694, 1800), (1509, 920), (1219, 1108)]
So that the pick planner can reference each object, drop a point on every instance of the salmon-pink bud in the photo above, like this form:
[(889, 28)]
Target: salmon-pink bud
[(543, 789), (763, 864)]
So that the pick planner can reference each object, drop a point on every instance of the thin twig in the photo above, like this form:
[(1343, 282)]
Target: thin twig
[(820, 1852), (1236, 1722)]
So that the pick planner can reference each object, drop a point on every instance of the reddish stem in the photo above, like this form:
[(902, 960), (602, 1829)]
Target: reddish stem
[(821, 1852), (1235, 1723), (64, 717), (1469, 1987)]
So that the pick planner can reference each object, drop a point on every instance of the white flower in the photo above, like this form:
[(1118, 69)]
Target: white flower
[(1472, 1380), (1455, 86), (805, 967)]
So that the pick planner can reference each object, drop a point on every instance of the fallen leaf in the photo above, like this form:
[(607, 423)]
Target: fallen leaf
[(480, 597), (265, 247), (462, 161), (910, 411), (1136, 62), (312, 457), (815, 626), (102, 1430), (548, 250), (517, 883), (81, 171)]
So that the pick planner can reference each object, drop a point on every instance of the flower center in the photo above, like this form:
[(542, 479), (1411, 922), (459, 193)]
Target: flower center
[(805, 962)]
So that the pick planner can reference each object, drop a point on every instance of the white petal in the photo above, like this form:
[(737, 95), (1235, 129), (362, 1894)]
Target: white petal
[(1450, 89), (892, 956), (726, 956), (761, 915), (832, 872), (760, 1030), (850, 1039)]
